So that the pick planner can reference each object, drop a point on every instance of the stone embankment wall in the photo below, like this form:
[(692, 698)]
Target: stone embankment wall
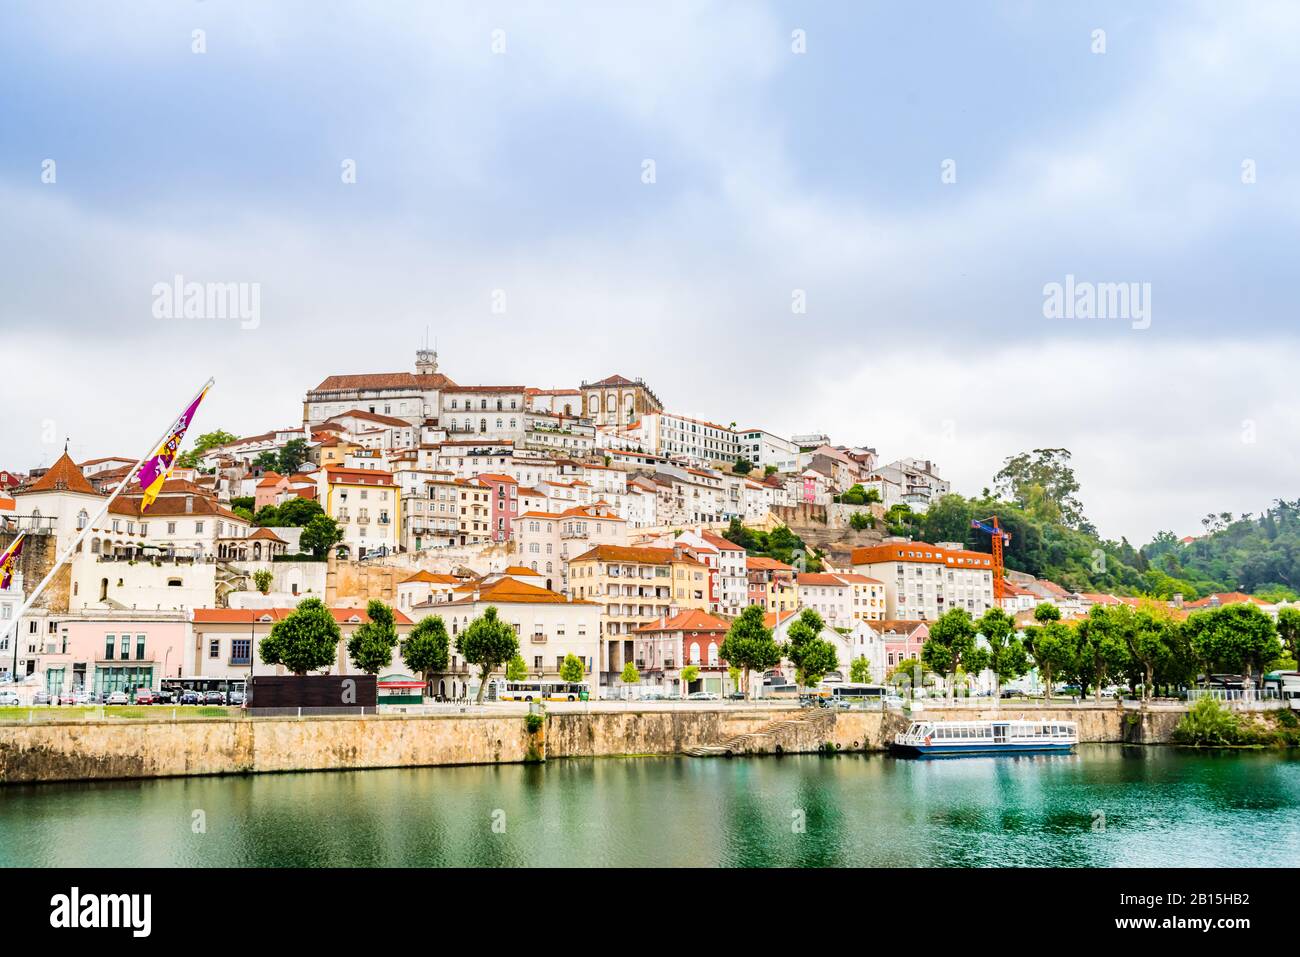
[(76, 750)]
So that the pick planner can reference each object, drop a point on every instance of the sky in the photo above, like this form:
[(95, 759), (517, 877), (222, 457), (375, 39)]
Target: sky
[(856, 215)]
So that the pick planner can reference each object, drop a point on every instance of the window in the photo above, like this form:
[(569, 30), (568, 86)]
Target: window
[(214, 647), (125, 647), (139, 647), (198, 528), (240, 649), (108, 647)]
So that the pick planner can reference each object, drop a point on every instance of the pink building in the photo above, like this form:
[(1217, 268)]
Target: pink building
[(903, 639), (106, 652), (505, 503)]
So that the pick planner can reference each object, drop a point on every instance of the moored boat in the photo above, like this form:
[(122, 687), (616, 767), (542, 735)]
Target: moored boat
[(952, 738)]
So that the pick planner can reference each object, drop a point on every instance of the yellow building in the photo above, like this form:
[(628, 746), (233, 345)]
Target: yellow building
[(635, 586), (366, 503)]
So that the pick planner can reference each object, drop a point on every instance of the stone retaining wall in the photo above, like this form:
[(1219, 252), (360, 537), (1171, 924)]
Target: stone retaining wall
[(76, 751)]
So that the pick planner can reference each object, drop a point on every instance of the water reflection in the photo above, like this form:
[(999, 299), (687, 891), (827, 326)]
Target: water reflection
[(1105, 806)]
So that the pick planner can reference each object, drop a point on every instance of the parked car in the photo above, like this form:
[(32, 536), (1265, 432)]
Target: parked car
[(41, 697), (85, 697), (191, 697), (144, 696), (214, 697), (164, 697), (702, 696), (68, 697), (9, 698), (236, 698), (735, 696), (117, 697)]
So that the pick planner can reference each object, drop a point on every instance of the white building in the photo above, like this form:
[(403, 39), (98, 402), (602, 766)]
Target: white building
[(763, 448), (922, 581), (694, 440)]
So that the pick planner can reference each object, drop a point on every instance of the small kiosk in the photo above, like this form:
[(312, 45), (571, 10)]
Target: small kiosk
[(401, 689)]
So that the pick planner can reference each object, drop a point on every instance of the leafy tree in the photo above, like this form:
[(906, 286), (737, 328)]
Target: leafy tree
[(951, 645), (689, 674), (630, 675), (1234, 638), (321, 534), (372, 643), (204, 443), (1052, 645), (517, 669), (856, 495), (858, 521), (426, 648), (1102, 647), (305, 640), (1288, 630), (572, 670), (1006, 655), (489, 643), (812, 655), (873, 497), (1043, 484), (262, 580), (267, 461), (292, 455), (749, 645), (742, 467), (293, 513), (769, 470), (1153, 641), (242, 501), (860, 670), (245, 513)]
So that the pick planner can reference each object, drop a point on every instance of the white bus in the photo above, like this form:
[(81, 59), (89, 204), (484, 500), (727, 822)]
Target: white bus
[(543, 690)]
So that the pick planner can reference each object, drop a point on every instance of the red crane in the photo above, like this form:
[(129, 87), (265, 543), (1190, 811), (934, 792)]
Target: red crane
[(999, 538)]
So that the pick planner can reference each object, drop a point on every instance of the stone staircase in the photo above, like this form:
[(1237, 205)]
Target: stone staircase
[(770, 737)]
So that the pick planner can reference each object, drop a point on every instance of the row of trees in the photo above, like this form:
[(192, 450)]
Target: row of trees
[(307, 640), (1143, 647), (751, 646)]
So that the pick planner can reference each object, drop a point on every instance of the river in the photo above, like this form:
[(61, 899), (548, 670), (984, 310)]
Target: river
[(1107, 805)]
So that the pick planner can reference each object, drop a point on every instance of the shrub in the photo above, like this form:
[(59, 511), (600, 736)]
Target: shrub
[(1209, 723), (533, 722)]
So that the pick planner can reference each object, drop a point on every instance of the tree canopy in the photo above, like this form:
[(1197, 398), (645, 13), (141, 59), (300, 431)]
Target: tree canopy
[(811, 654), (321, 534), (426, 648), (304, 640), (489, 643), (371, 645), (749, 644)]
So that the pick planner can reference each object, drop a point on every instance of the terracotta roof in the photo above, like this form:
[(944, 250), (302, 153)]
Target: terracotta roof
[(692, 619), (615, 380), (856, 579), (371, 417), (63, 476), (830, 581), (431, 577), (266, 535), (772, 619), (763, 563), (717, 541), (384, 380), (247, 616), (920, 552), (514, 592), (1224, 598), (903, 626), (519, 570), (173, 506), (631, 553)]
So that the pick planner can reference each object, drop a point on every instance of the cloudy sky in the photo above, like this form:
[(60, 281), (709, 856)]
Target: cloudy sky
[(915, 173)]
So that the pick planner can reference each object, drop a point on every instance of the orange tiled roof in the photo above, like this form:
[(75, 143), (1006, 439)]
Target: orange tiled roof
[(63, 476), (692, 619), (246, 616), (634, 554)]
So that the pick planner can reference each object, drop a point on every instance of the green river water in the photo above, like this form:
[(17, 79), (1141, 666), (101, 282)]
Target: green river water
[(1107, 805)]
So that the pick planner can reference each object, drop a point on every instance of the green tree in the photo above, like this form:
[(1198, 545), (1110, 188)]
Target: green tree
[(769, 470), (951, 645), (1052, 645), (292, 455), (1102, 647), (426, 649), (1234, 638), (204, 443), (489, 643), (860, 670), (689, 674), (1006, 653), (517, 669), (321, 534), (572, 670), (293, 513), (630, 675), (1152, 642), (856, 495), (1043, 480), (873, 497), (858, 521), (372, 643), (742, 467), (267, 461), (262, 580), (812, 655), (1288, 630), (305, 640), (749, 645)]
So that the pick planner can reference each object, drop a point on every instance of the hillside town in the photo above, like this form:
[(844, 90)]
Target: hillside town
[(598, 523)]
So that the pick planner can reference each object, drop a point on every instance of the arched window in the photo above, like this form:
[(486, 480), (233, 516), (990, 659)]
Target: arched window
[(83, 518), (713, 653), (695, 652)]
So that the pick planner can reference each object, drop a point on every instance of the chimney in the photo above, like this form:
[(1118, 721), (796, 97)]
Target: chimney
[(1178, 599)]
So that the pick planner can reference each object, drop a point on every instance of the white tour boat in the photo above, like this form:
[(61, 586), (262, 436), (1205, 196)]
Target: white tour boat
[(986, 737)]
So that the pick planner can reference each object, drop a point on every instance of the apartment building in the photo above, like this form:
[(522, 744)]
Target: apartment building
[(922, 581), (549, 541), (366, 503), (771, 584), (695, 440), (763, 449), (635, 586), (666, 646)]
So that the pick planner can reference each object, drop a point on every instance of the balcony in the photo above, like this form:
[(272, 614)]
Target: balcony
[(539, 638)]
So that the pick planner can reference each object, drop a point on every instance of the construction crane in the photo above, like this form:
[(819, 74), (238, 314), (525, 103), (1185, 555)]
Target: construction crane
[(999, 538)]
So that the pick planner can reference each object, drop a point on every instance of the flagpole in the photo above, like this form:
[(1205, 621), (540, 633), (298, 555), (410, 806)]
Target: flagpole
[(72, 547)]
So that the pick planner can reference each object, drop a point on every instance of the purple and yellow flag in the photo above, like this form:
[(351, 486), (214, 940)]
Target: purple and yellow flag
[(9, 561), (156, 469)]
